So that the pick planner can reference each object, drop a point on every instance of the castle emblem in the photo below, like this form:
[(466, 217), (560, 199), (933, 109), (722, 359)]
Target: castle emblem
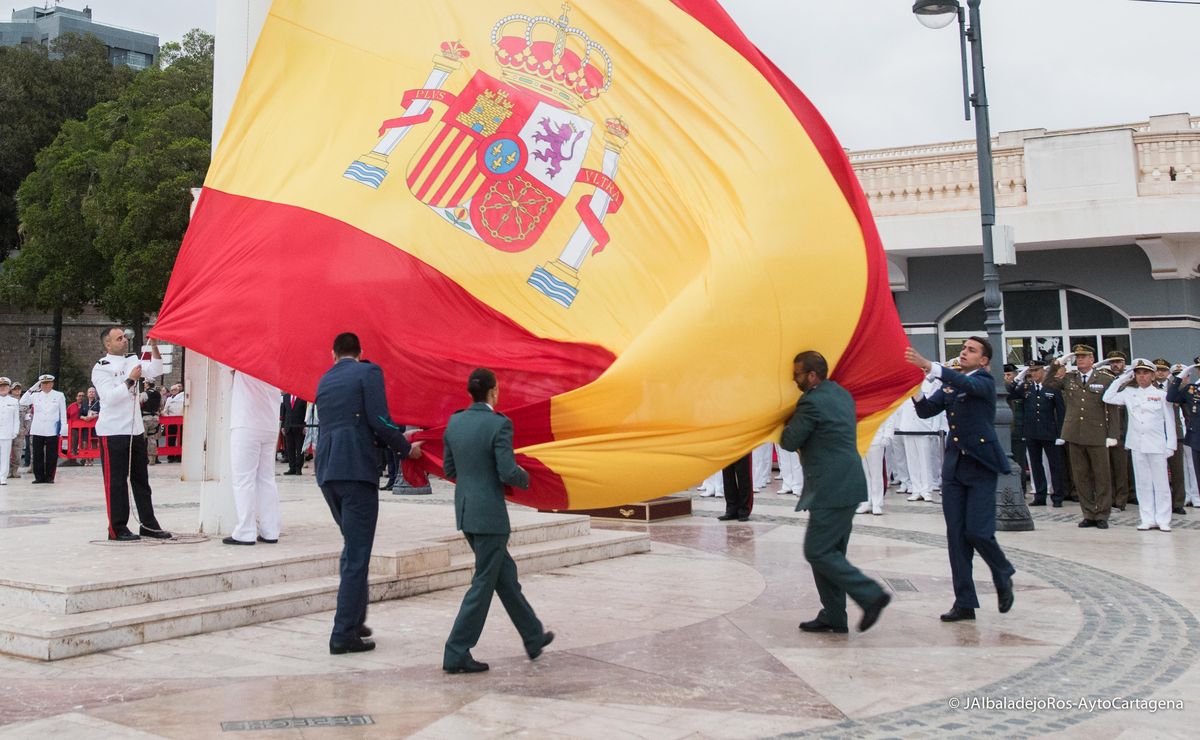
[(503, 159)]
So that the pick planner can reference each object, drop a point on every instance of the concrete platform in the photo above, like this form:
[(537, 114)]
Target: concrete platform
[(78, 594)]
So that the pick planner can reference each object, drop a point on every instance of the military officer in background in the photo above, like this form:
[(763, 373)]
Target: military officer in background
[(1118, 457), (1016, 432), (1162, 375), (1184, 390), (49, 422), (1088, 429), (1043, 410)]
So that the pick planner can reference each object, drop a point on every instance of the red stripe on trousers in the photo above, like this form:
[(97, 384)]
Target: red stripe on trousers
[(107, 488)]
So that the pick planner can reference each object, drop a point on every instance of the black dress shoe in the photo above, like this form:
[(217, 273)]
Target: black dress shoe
[(264, 539), (290, 472), (1101, 524), (1118, 508), (125, 536), (743, 518), (232, 541), (958, 614), (1087, 523), (1179, 510), (154, 533), (546, 638), (817, 625), (387, 486), (364, 631), (354, 646), (470, 665), (37, 482), (1004, 596), (727, 517), (1057, 504), (1035, 502), (874, 609)]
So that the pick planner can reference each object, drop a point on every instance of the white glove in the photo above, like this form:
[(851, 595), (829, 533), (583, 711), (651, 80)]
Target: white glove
[(1059, 442), (1020, 376), (1110, 442), (1067, 359)]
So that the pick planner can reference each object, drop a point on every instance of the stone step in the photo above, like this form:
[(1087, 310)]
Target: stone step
[(43, 636), (271, 565)]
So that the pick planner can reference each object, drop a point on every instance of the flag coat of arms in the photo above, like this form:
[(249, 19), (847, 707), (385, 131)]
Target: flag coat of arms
[(619, 206)]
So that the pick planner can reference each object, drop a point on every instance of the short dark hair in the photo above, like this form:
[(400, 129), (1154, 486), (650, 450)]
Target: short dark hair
[(109, 330), (480, 383), (813, 361), (987, 346), (346, 345)]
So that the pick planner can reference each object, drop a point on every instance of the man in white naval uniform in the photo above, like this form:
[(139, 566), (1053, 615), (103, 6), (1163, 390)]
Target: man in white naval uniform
[(123, 435), (253, 432), (920, 437), (10, 426), (1150, 439), (49, 422)]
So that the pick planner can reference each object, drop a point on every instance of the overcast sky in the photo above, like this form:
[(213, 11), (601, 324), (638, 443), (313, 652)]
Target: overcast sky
[(882, 79)]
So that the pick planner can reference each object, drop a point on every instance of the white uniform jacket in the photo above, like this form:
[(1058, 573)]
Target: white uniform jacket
[(10, 417), (1151, 418), (119, 410), (49, 412)]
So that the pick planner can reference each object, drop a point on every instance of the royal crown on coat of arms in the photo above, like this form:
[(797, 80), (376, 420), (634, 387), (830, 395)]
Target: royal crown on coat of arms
[(502, 160)]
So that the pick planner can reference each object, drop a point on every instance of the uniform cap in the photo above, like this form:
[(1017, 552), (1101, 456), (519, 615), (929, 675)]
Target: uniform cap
[(1036, 363), (1009, 367), (46, 378), (1083, 349), (1161, 363), (1116, 355), (5, 381), (1144, 364)]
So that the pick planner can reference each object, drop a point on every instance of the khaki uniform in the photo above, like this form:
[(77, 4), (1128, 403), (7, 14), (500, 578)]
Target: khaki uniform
[(1088, 423)]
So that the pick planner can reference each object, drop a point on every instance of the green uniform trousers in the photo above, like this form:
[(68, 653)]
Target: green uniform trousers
[(495, 572), (825, 543)]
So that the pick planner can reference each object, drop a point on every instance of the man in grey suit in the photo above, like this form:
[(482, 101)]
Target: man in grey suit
[(479, 459), (354, 414)]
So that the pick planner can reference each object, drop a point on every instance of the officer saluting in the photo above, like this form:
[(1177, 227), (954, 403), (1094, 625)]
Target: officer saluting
[(123, 434)]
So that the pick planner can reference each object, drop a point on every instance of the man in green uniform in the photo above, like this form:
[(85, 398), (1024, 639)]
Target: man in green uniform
[(1118, 457), (1088, 429), (823, 431), (478, 448)]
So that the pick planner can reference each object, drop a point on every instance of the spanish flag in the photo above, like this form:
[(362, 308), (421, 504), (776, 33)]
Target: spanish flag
[(621, 207)]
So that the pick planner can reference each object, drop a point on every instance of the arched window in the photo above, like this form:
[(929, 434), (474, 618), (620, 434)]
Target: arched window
[(1041, 322)]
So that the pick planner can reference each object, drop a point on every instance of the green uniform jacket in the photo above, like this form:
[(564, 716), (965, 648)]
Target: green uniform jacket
[(824, 431), (479, 459), (1088, 420)]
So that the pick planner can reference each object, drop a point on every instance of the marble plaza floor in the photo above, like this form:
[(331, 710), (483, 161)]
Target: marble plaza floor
[(696, 638)]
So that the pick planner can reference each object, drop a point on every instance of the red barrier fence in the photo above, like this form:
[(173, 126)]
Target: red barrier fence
[(170, 439), (81, 442)]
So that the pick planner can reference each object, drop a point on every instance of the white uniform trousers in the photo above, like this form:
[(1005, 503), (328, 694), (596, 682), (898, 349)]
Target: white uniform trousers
[(252, 460), (791, 470), (1153, 489), (760, 462), (5, 451), (918, 453), (713, 485), (900, 465), (876, 484)]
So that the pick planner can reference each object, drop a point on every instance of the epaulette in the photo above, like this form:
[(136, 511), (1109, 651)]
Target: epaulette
[(102, 362)]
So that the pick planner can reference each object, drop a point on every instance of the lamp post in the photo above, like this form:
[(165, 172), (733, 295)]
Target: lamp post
[(1011, 512)]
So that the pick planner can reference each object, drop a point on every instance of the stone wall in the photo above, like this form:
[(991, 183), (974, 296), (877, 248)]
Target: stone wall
[(25, 340)]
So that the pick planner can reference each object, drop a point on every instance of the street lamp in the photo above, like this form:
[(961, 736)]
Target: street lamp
[(1011, 512)]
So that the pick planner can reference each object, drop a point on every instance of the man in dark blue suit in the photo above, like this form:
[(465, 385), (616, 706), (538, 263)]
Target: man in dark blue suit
[(1043, 411), (973, 460), (354, 414)]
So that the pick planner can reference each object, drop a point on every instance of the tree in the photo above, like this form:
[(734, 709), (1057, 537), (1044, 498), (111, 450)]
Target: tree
[(161, 128), (103, 212), (41, 88)]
